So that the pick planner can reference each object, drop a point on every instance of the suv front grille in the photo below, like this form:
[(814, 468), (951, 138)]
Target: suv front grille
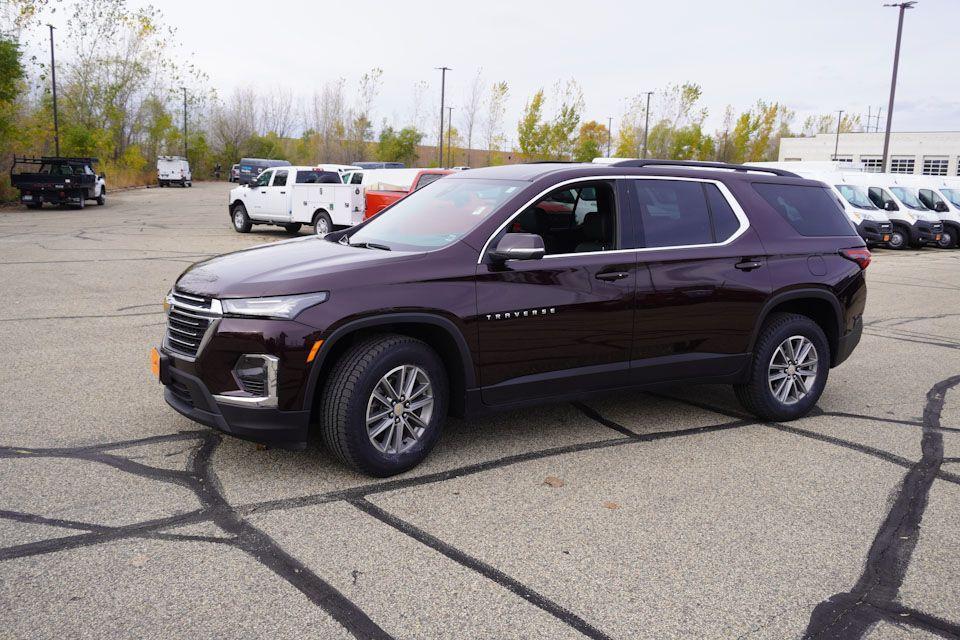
[(188, 320)]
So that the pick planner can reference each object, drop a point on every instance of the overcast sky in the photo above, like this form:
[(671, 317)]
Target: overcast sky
[(816, 56)]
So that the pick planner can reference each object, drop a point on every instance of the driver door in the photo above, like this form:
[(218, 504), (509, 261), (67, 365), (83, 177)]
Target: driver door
[(564, 322), (257, 195)]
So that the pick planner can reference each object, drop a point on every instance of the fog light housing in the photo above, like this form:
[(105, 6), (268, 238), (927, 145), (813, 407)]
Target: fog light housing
[(256, 377)]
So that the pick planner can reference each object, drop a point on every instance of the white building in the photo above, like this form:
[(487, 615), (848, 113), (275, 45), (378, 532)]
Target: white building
[(932, 153)]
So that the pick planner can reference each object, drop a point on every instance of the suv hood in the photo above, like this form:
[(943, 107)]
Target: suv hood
[(303, 265)]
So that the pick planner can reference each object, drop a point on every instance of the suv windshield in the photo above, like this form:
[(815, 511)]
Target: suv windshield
[(856, 196), (953, 195), (437, 215), (908, 198)]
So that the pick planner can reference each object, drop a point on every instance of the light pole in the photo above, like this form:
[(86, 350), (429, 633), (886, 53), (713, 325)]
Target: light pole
[(443, 89), (903, 6), (449, 134), (53, 78), (609, 133), (646, 126), (836, 145)]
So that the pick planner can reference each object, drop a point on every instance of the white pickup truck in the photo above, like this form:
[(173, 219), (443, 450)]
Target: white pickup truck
[(293, 196)]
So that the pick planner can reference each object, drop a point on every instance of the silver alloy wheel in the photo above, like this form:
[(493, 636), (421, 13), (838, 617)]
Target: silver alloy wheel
[(946, 240), (399, 409), (322, 228), (897, 240), (238, 218), (792, 369)]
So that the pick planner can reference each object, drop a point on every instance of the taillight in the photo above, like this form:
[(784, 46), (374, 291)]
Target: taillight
[(860, 256)]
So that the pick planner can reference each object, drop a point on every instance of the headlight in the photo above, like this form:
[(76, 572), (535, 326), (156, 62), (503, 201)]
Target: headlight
[(857, 216), (909, 217), (167, 301), (285, 307)]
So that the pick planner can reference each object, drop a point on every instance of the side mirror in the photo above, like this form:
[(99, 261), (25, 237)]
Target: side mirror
[(941, 207), (891, 206), (103, 175), (519, 246)]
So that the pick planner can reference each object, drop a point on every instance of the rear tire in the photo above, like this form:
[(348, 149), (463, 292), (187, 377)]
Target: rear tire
[(241, 221), (322, 224), (351, 412), (784, 384), (293, 227)]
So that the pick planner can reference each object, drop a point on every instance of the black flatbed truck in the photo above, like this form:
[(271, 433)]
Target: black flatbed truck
[(57, 180)]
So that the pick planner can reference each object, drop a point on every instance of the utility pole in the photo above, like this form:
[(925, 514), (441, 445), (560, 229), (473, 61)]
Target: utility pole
[(609, 133), (903, 6), (646, 126), (877, 126), (443, 89), (53, 77), (836, 145), (184, 123), (449, 134)]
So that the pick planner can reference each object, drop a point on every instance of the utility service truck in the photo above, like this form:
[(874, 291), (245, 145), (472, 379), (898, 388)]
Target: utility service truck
[(291, 197)]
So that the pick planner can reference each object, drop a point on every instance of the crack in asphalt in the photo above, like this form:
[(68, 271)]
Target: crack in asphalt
[(851, 614)]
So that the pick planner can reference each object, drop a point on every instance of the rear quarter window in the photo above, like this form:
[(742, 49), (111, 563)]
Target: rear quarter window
[(811, 210)]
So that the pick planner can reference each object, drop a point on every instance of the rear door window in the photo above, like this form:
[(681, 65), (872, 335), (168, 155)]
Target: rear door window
[(673, 213), (811, 210), (280, 179)]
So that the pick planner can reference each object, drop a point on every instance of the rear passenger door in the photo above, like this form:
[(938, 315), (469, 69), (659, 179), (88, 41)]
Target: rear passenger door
[(709, 279), (563, 323)]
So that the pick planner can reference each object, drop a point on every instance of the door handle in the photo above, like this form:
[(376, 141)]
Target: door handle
[(263, 192), (611, 276), (748, 265), (282, 192)]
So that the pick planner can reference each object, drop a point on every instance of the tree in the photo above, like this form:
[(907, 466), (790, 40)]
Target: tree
[(591, 141), (827, 123), (361, 125), (471, 109), (531, 132), (493, 122), (398, 146)]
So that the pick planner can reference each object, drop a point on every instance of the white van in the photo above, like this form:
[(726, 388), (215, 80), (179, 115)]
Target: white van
[(290, 197), (942, 199), (913, 223), (173, 170), (872, 223)]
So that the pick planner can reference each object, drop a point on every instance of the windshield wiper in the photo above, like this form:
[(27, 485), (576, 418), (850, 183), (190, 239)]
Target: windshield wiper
[(369, 245)]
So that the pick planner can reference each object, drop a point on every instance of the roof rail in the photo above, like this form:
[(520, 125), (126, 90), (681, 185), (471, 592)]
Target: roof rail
[(702, 165)]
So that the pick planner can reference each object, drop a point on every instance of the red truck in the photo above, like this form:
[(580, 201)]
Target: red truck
[(386, 186)]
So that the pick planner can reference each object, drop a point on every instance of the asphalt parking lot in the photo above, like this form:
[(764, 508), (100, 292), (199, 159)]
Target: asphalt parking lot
[(662, 515)]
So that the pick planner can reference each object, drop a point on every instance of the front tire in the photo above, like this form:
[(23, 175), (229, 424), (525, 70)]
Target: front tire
[(899, 237), (384, 404), (791, 362), (241, 221), (102, 198), (948, 239)]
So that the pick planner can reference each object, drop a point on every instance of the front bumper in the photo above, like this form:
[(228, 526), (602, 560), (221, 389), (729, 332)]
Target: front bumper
[(923, 232), (875, 232), (189, 396)]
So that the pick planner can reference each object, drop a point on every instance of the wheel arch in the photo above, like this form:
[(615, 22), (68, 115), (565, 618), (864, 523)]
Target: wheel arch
[(440, 333), (820, 305)]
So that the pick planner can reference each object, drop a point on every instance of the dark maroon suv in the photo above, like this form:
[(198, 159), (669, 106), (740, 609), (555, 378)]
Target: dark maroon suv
[(507, 286)]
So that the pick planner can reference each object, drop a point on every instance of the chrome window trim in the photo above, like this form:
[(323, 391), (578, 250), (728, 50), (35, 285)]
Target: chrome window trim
[(727, 194)]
